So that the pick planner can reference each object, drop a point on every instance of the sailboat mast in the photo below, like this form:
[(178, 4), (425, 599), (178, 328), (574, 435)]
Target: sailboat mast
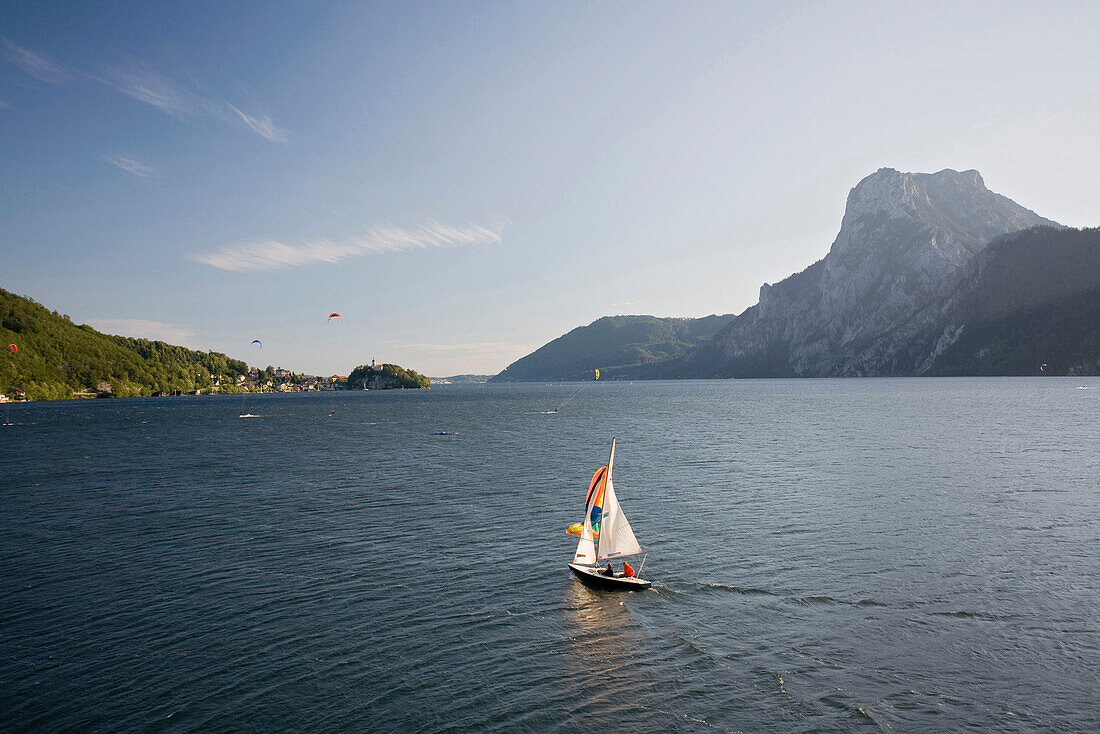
[(606, 482)]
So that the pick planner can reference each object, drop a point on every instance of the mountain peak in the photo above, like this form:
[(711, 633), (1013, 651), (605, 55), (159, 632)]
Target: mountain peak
[(894, 193), (946, 203)]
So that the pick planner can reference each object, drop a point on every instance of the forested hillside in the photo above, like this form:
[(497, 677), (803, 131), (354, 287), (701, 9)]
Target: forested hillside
[(614, 344), (384, 376), (56, 358), (1030, 306)]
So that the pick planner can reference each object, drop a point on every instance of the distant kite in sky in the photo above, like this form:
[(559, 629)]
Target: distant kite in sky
[(258, 343), (332, 316)]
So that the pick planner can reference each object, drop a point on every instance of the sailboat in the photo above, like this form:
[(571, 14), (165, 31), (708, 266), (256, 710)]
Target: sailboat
[(605, 535)]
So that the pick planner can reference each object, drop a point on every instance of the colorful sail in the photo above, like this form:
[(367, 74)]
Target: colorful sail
[(577, 528), (597, 478), (593, 511), (593, 499)]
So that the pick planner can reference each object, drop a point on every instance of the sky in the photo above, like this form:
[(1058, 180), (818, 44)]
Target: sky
[(464, 182)]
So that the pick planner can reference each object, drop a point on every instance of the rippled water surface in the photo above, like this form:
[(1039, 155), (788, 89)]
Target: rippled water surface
[(827, 555)]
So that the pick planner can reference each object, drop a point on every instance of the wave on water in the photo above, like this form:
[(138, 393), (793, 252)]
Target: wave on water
[(748, 590), (980, 616), (826, 599), (249, 415)]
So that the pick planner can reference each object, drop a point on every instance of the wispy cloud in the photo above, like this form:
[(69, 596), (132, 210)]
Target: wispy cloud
[(145, 85), (140, 81), (263, 126), (35, 63), (272, 254), (4, 105), (142, 329), (131, 166)]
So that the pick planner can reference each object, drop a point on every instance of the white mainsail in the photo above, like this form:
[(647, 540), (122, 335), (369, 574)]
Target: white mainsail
[(616, 536)]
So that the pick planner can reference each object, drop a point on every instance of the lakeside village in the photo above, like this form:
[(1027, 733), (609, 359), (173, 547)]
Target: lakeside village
[(256, 380), (364, 377), (277, 380)]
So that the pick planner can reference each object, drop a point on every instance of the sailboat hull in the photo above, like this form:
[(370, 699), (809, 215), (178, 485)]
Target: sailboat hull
[(591, 576)]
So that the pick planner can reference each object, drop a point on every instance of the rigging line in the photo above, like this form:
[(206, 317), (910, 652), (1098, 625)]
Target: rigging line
[(575, 392)]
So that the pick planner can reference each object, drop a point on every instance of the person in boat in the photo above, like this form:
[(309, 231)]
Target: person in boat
[(609, 571)]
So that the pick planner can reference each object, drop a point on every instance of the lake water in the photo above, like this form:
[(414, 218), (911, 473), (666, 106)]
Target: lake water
[(826, 555)]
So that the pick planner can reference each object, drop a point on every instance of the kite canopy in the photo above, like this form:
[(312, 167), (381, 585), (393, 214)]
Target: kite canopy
[(597, 373), (258, 342), (332, 316), (1043, 368), (13, 348)]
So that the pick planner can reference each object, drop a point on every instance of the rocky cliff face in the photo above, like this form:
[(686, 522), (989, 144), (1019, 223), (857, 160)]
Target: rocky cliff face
[(904, 245)]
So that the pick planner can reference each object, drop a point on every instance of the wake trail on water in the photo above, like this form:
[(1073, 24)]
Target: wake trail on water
[(740, 589), (805, 600)]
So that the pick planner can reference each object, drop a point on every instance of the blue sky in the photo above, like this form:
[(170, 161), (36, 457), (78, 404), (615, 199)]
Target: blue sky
[(466, 181)]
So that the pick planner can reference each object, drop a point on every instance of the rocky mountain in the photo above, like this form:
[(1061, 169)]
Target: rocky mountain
[(905, 244), (614, 344), (931, 274)]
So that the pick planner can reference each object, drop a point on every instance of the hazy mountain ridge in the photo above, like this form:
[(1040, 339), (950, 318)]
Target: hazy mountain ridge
[(615, 345)]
